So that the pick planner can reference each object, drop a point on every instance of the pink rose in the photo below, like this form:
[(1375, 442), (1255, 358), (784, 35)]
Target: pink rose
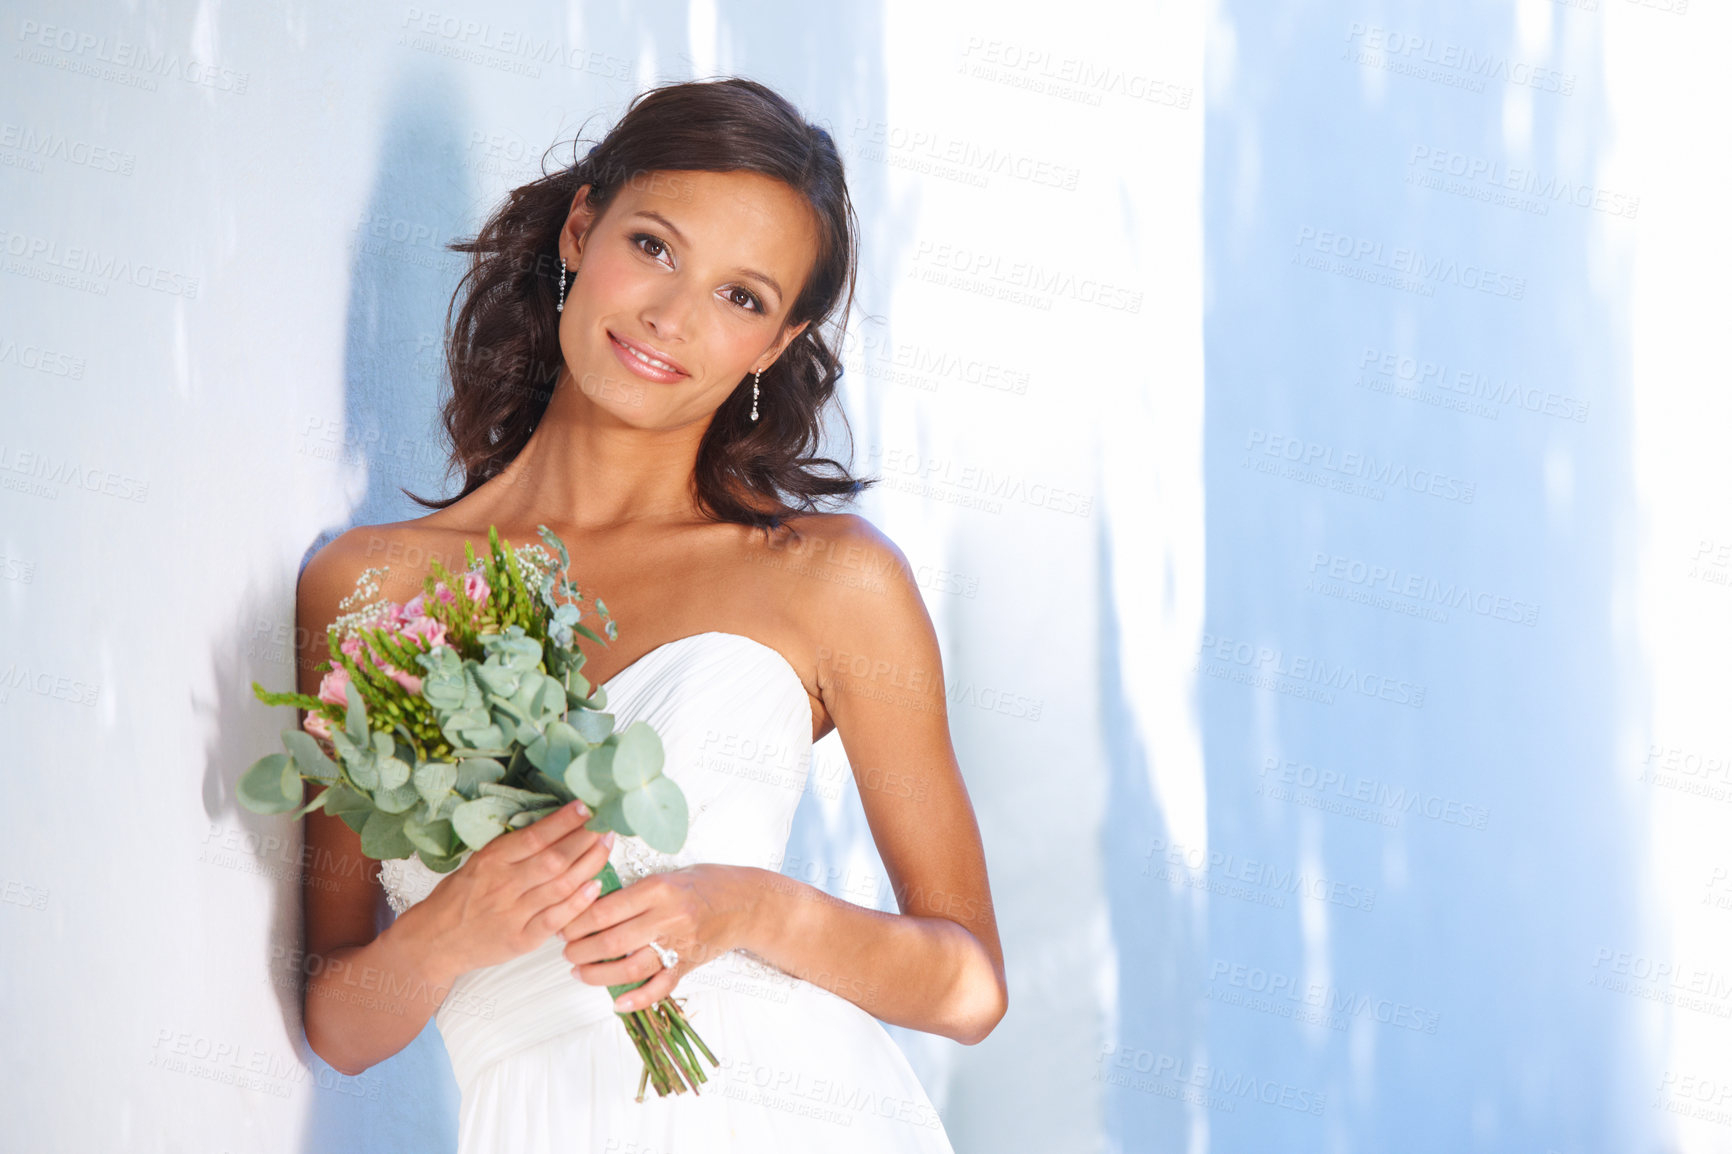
[(335, 686), (443, 592), (475, 588), (352, 646), (425, 629), (317, 726)]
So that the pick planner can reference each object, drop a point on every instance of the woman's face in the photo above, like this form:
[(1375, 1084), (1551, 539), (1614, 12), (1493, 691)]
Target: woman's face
[(686, 281)]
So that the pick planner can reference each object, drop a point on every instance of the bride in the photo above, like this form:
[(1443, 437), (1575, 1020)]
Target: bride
[(638, 362)]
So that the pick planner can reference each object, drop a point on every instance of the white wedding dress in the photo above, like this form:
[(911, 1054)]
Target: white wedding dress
[(544, 1065)]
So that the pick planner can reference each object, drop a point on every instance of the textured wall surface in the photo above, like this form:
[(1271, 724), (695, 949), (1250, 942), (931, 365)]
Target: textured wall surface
[(1306, 422)]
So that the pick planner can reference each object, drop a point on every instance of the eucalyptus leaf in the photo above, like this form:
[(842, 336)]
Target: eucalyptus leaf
[(382, 837), (539, 699), (433, 838), (364, 769), (549, 701), (500, 680), (638, 756), (440, 865), (595, 770), (318, 802), (524, 797), (435, 779), (513, 649), (393, 772), (444, 685), (657, 811), (531, 816), (554, 749), (472, 771), (485, 737), (260, 788), (400, 799), (579, 782), (479, 821), (593, 725), (345, 803), (309, 756), (290, 781), (555, 546), (355, 720), (347, 749), (553, 786), (548, 754), (610, 815)]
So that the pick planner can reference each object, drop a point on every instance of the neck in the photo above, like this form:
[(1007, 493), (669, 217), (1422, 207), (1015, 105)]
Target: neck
[(585, 468)]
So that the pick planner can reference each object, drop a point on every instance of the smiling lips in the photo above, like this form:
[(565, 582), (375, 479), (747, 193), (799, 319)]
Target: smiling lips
[(645, 361)]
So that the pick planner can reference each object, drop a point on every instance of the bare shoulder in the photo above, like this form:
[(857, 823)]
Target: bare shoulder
[(843, 552), (855, 592), (403, 550)]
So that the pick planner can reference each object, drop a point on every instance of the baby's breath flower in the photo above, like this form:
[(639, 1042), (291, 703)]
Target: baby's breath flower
[(366, 586)]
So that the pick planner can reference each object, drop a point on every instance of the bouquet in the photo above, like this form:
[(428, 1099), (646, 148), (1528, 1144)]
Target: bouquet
[(442, 722)]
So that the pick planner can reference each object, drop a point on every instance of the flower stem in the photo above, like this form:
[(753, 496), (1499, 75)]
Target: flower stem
[(663, 1037)]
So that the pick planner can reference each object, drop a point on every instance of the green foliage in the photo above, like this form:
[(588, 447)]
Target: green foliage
[(504, 730)]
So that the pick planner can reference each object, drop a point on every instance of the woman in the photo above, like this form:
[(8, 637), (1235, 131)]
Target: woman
[(673, 286)]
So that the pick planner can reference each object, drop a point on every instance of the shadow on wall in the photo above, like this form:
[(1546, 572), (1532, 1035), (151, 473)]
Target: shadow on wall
[(388, 439), (402, 275), (400, 280)]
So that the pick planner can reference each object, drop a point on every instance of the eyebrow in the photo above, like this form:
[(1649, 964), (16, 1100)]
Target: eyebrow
[(765, 278)]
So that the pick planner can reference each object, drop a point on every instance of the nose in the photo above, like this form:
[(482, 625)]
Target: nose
[(667, 313)]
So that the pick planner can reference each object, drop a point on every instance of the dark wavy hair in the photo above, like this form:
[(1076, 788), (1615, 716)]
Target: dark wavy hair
[(502, 332)]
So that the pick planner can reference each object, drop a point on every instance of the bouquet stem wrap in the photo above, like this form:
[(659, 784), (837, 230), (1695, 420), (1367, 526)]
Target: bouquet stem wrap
[(663, 1037)]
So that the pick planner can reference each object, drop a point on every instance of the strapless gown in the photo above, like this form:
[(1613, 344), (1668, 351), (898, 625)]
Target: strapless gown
[(543, 1064)]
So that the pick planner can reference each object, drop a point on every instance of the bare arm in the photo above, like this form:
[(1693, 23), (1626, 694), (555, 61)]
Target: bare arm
[(368, 993), (937, 965)]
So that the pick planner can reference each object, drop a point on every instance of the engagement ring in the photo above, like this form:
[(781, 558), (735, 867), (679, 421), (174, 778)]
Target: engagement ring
[(669, 958)]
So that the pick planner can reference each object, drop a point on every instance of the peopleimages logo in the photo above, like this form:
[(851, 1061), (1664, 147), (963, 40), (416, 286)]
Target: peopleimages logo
[(1394, 580), (1366, 253), (1325, 996), (1498, 175), (1415, 49), (102, 267), (1271, 662), (107, 56), (1359, 467), (1470, 384)]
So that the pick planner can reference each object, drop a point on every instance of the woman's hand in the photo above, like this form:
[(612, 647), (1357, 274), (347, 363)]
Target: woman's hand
[(700, 912), (512, 894)]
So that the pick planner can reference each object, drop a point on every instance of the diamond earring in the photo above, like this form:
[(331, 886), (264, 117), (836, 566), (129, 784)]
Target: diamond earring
[(755, 377), (560, 307)]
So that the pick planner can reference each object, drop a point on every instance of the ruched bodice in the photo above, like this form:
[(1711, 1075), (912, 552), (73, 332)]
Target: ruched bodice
[(542, 1062)]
